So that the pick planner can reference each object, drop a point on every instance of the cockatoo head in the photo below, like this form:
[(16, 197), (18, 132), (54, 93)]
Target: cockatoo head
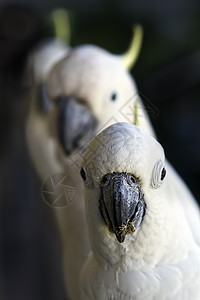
[(89, 87), (122, 167)]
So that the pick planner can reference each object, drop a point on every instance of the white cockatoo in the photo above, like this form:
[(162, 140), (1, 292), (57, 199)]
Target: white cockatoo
[(143, 244)]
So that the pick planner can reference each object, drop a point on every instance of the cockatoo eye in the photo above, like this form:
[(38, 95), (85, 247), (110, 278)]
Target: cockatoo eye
[(158, 174), (113, 96), (163, 174), (83, 174)]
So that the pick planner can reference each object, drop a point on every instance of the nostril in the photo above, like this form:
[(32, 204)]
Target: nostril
[(131, 179), (105, 180)]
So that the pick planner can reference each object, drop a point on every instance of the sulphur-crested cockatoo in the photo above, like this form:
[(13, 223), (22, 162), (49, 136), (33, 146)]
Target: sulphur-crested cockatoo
[(142, 243), (76, 97)]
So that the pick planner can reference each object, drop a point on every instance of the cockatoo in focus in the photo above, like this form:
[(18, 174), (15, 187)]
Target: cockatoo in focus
[(143, 245)]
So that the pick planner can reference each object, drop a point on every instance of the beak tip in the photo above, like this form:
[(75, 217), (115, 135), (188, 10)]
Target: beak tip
[(120, 237)]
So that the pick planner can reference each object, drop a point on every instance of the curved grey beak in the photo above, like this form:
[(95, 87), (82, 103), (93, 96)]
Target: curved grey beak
[(76, 124), (121, 204)]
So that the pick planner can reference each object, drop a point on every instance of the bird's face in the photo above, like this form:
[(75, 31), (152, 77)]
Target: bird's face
[(89, 89), (122, 165)]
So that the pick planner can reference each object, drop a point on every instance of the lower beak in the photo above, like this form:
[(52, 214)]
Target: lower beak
[(76, 124), (122, 204)]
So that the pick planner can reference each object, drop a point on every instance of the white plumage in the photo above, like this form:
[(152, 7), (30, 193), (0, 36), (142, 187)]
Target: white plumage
[(161, 259)]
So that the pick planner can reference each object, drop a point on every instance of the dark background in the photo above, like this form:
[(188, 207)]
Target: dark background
[(168, 76)]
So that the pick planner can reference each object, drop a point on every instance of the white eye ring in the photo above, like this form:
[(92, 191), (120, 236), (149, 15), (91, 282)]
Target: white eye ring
[(158, 174)]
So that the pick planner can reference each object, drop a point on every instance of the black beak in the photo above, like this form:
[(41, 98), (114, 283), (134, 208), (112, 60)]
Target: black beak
[(121, 204), (76, 124)]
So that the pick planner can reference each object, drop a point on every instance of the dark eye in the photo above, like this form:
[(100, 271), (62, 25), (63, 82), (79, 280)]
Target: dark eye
[(83, 175), (114, 96), (163, 174)]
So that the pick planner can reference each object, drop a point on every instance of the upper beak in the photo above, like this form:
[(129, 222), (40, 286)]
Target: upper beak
[(121, 204), (76, 123)]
